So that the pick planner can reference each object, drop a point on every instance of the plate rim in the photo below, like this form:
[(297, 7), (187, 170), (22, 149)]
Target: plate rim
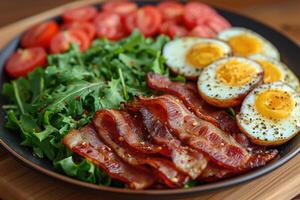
[(182, 191)]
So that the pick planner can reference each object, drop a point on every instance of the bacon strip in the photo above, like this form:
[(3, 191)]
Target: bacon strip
[(201, 135), (188, 93), (86, 143), (184, 158), (109, 124)]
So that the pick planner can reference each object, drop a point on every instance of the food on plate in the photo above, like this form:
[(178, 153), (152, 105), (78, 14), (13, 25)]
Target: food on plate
[(110, 95), (226, 82), (85, 142), (86, 27), (39, 35), (274, 70), (62, 40), (24, 61), (189, 56), (82, 14), (245, 42), (122, 8), (270, 114)]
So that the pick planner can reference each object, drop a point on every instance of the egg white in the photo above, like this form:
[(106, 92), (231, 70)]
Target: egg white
[(268, 48), (287, 75), (265, 131), (175, 54), (219, 94)]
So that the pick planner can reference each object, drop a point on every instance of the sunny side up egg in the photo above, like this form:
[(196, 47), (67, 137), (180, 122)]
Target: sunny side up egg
[(189, 56), (270, 114), (245, 42), (227, 81), (274, 70)]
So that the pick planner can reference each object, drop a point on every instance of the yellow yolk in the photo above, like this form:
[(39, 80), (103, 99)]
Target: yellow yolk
[(201, 55), (274, 104), (235, 73), (271, 72), (244, 45)]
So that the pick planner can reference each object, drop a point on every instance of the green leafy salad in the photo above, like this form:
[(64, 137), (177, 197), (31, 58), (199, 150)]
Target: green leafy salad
[(48, 103)]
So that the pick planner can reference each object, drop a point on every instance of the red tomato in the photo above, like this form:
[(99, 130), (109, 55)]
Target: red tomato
[(202, 31), (147, 19), (171, 10), (122, 8), (80, 14), (86, 27), (177, 31), (109, 25), (195, 13), (24, 61), (217, 23), (62, 40), (39, 35)]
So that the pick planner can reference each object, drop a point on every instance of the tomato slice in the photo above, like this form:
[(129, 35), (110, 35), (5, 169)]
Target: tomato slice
[(195, 13), (80, 14), (217, 23), (202, 31), (86, 27), (171, 10), (62, 40), (173, 29), (147, 19), (109, 25), (122, 8), (24, 61), (39, 35)]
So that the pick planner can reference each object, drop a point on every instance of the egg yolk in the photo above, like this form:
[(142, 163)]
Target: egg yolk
[(244, 45), (201, 55), (274, 104), (235, 73), (271, 72)]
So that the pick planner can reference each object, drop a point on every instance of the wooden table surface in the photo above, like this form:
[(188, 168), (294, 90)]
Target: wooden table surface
[(20, 182)]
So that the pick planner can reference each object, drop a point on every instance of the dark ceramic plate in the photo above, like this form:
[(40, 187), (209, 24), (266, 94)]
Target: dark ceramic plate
[(289, 52)]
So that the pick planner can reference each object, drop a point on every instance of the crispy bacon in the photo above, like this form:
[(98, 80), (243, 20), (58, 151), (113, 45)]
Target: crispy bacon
[(110, 123), (86, 143), (184, 158), (188, 93), (219, 146)]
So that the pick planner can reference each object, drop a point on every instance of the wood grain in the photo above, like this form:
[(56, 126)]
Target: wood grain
[(19, 182)]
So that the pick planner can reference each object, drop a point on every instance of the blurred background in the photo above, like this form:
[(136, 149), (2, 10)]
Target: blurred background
[(284, 15)]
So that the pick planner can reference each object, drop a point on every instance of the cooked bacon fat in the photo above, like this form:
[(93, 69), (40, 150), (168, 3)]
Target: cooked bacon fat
[(110, 125), (86, 143), (188, 93)]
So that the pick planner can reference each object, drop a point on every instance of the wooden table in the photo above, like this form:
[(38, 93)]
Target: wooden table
[(20, 182)]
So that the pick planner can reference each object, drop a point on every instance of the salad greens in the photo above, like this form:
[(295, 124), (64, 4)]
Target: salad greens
[(66, 94)]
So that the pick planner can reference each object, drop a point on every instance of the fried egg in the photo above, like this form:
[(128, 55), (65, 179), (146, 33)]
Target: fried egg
[(275, 70), (189, 56), (226, 82), (245, 42), (270, 114)]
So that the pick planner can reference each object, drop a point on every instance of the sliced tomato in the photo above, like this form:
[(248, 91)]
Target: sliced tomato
[(86, 27), (82, 14), (39, 35), (122, 8), (171, 10), (177, 31), (195, 13), (217, 23), (202, 31), (62, 40), (147, 19), (24, 61), (109, 25)]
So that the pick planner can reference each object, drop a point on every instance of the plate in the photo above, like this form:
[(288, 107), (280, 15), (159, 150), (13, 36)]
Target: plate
[(289, 55)]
